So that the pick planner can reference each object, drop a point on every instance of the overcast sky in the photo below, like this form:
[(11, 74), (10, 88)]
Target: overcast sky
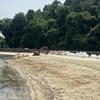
[(8, 8)]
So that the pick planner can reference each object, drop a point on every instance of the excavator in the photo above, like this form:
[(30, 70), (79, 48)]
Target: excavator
[(37, 52)]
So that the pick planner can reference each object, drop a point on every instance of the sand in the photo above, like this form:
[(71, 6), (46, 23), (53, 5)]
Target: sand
[(56, 77)]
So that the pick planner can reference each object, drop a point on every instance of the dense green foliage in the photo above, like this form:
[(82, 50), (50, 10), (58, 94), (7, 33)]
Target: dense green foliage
[(74, 25), (2, 41)]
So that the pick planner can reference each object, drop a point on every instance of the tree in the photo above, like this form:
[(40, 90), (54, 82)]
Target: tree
[(52, 38), (2, 41), (79, 5), (51, 24), (92, 40), (68, 2), (30, 15), (6, 30), (34, 36), (18, 23), (51, 9), (1, 25), (62, 12), (73, 25), (27, 40)]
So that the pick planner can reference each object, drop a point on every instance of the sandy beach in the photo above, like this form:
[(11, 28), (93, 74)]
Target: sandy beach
[(57, 77)]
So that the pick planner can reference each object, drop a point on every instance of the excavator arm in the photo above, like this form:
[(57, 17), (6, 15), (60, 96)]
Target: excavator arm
[(37, 52)]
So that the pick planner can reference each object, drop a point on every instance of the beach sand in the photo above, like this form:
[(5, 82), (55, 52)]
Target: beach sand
[(56, 77)]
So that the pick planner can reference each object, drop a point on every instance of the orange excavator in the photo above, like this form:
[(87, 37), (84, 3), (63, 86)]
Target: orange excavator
[(37, 52)]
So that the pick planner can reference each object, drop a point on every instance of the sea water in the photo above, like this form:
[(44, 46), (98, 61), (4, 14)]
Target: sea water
[(12, 85)]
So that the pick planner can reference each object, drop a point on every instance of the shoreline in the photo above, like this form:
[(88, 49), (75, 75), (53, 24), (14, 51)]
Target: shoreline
[(20, 75), (18, 84), (20, 81), (59, 77)]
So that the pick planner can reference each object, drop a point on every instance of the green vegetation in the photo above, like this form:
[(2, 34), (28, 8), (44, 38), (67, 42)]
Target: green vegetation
[(74, 25), (2, 41)]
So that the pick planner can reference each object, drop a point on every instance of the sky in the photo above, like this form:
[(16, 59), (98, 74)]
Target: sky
[(8, 8)]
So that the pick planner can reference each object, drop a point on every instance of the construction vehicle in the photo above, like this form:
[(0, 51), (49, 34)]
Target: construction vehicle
[(37, 52)]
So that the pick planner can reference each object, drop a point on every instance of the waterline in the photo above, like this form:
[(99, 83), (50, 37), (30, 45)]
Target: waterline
[(12, 85)]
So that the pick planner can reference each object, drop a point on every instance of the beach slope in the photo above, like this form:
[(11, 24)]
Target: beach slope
[(55, 77)]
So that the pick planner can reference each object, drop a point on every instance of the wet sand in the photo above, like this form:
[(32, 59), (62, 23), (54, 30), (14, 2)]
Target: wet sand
[(12, 85), (55, 77)]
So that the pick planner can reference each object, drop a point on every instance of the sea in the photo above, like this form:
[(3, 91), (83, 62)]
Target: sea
[(12, 85)]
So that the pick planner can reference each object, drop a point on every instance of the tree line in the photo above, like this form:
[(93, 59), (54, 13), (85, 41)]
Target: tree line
[(73, 25)]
